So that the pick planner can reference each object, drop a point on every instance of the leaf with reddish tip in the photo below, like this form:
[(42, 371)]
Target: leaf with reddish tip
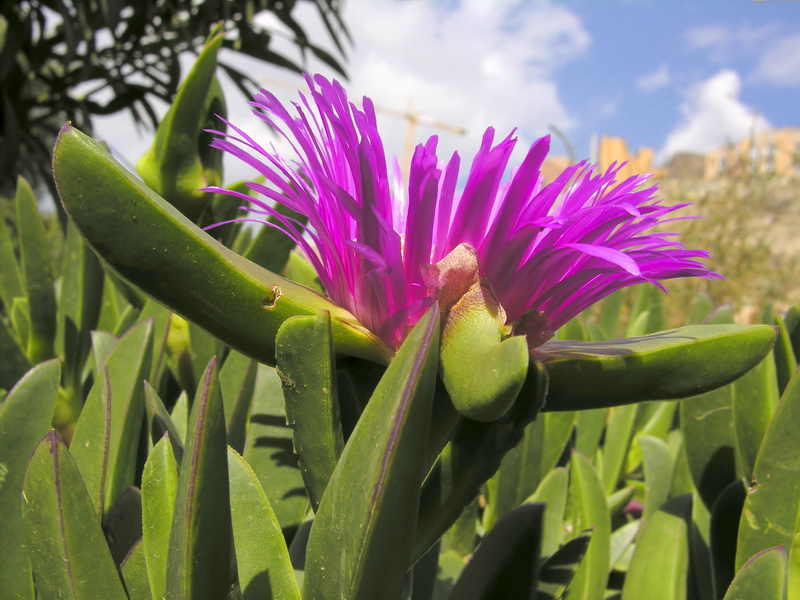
[(66, 544)]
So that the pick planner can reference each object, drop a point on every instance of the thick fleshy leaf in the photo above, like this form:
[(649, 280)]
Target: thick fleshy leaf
[(66, 545), (237, 380), (160, 422), (15, 363), (123, 526), (153, 246), (671, 364), (658, 465), (482, 371), (11, 285), (557, 572), (618, 440), (79, 301), (200, 544), (552, 492), (505, 563), (134, 573), (785, 361), (179, 163), (361, 539), (262, 558), (37, 271), (660, 563), (107, 435), (159, 490), (770, 511), (472, 456), (755, 396), (268, 450), (307, 369), (26, 415), (762, 576), (589, 510)]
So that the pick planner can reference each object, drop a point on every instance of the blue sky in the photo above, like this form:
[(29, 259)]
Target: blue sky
[(673, 75)]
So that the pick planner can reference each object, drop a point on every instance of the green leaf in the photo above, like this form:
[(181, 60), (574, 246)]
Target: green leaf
[(770, 511), (660, 563), (361, 539), (308, 373), (123, 526), (153, 246), (270, 248), (25, 418), (200, 548), (722, 532), (557, 572), (552, 492), (755, 396), (68, 551), (472, 456), (268, 450), (15, 363), (79, 302), (667, 365), (112, 418), (159, 490), (37, 270), (710, 440), (504, 565), (179, 163), (11, 285), (134, 573), (589, 428), (658, 466), (785, 361), (589, 510), (237, 380), (619, 434), (482, 369), (160, 422), (762, 576), (262, 558)]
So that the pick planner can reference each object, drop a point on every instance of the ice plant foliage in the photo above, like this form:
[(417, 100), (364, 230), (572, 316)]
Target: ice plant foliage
[(547, 251)]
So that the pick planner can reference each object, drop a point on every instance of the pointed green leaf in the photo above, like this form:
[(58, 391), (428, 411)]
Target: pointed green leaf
[(504, 565), (785, 361), (552, 492), (770, 511), (150, 244), (660, 563), (557, 572), (15, 363), (755, 396), (159, 490), (25, 418), (200, 551), (268, 450), (160, 422), (134, 573), (262, 558), (618, 440), (237, 380), (361, 539), (68, 551), (589, 510), (123, 526), (658, 465), (482, 369), (112, 418), (179, 163), (667, 365), (762, 576), (11, 285), (308, 373), (37, 270)]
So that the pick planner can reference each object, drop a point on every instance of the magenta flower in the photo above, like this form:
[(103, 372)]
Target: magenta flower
[(547, 251)]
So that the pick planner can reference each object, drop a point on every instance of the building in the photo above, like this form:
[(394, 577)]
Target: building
[(770, 151)]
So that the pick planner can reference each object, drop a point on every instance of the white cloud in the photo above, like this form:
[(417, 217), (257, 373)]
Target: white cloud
[(780, 62), (468, 64), (712, 115), (655, 80), (723, 42)]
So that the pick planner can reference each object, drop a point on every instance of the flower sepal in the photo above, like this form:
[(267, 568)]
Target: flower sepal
[(149, 243), (668, 365), (483, 369)]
